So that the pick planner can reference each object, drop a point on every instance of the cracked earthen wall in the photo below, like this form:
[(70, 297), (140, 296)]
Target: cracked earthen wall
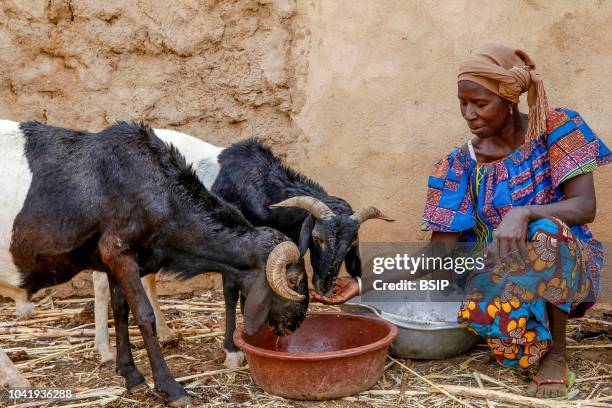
[(217, 70), (361, 96)]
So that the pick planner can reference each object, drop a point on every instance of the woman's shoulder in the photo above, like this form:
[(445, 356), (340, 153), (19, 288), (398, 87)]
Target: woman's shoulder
[(561, 117), (455, 163), (573, 147)]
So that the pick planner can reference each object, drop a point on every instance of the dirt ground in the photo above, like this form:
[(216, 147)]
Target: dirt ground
[(56, 360)]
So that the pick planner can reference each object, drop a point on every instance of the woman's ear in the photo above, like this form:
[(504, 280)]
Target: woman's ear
[(257, 304), (305, 232)]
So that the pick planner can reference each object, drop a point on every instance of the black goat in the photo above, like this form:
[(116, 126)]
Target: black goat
[(269, 193)]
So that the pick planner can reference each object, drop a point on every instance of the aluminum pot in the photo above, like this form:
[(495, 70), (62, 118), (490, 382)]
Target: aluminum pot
[(426, 330)]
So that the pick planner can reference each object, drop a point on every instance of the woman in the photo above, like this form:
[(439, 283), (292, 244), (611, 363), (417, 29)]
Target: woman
[(523, 188)]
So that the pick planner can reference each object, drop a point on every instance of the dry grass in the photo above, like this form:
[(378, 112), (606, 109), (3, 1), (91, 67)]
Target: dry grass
[(54, 349)]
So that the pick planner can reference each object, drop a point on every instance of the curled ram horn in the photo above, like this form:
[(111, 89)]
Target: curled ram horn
[(313, 205), (276, 270), (369, 213)]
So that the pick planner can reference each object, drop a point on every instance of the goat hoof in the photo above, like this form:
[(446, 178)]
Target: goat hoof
[(107, 357), (166, 335), (135, 381), (23, 310), (16, 382), (233, 359), (136, 387), (170, 341), (181, 402), (107, 361)]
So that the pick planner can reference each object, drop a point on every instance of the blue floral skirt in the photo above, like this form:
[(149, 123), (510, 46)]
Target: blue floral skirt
[(507, 306)]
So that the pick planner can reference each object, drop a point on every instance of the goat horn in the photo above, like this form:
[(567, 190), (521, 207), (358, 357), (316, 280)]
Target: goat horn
[(313, 205), (276, 270), (368, 213)]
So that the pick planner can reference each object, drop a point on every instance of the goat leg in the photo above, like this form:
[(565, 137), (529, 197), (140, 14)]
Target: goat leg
[(125, 362), (234, 358), (164, 333), (124, 274), (101, 299)]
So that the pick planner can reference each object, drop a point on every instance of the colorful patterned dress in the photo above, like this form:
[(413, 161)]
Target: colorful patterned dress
[(507, 306)]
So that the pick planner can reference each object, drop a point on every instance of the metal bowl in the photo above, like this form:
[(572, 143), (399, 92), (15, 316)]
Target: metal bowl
[(426, 330)]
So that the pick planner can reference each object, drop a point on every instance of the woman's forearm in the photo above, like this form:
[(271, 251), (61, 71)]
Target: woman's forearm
[(572, 211), (578, 205)]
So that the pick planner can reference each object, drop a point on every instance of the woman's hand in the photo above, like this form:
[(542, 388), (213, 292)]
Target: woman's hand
[(509, 239), (345, 288)]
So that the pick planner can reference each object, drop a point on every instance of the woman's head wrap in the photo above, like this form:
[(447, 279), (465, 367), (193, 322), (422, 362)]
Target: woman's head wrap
[(509, 72)]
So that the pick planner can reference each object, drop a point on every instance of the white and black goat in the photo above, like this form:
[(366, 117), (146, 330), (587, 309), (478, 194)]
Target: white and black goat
[(122, 202)]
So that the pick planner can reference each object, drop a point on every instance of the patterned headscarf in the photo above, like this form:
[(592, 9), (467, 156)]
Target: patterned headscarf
[(509, 72)]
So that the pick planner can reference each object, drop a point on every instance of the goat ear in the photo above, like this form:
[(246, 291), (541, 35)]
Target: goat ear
[(352, 261), (305, 232), (257, 304)]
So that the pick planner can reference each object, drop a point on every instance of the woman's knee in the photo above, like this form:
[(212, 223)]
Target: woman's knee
[(551, 226)]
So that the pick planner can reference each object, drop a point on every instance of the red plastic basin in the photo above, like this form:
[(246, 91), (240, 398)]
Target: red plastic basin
[(331, 355)]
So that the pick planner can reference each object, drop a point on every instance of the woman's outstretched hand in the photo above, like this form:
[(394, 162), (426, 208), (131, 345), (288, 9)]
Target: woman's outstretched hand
[(345, 288)]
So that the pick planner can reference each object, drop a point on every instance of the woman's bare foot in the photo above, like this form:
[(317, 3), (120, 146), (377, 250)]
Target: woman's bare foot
[(553, 366)]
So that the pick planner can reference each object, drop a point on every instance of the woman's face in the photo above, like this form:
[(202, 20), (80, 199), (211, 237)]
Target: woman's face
[(485, 112)]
